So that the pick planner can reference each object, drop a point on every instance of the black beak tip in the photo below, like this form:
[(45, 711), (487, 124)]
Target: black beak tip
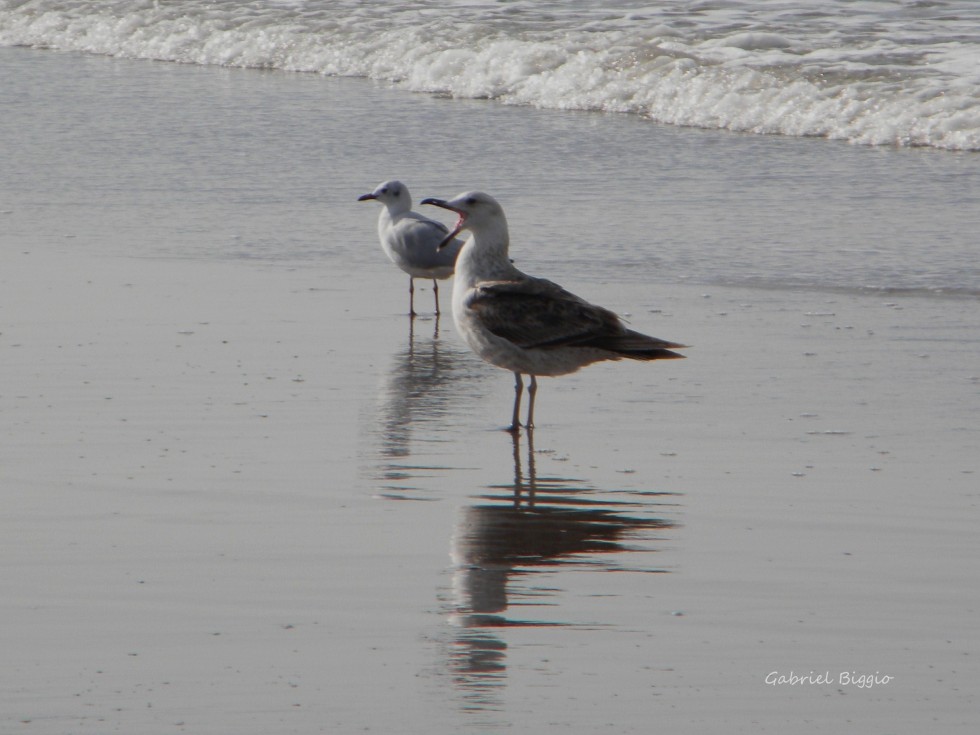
[(433, 201), (365, 197)]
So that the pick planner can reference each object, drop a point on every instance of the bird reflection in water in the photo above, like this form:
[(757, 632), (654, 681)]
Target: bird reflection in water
[(532, 526), (420, 389)]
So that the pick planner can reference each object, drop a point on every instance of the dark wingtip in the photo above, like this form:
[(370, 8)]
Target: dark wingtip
[(656, 355), (643, 347)]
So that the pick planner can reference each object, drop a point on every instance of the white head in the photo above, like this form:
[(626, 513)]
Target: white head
[(479, 213), (393, 194)]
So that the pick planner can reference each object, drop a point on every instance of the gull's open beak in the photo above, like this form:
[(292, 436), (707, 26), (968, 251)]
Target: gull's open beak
[(459, 224), (365, 197), (441, 203)]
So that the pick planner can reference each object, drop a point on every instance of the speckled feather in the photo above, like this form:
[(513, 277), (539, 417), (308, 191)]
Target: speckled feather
[(535, 313)]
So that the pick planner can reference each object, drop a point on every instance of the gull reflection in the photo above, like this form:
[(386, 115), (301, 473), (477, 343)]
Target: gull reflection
[(420, 389), (508, 548)]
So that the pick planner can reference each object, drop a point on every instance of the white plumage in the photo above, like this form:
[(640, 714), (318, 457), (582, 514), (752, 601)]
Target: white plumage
[(411, 240)]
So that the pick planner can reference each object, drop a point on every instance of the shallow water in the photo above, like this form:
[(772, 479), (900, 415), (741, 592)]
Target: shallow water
[(244, 492), (279, 157)]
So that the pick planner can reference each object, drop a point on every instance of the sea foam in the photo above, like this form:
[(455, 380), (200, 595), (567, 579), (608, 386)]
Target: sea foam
[(868, 80)]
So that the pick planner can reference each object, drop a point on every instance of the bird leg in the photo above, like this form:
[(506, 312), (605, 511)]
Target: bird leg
[(411, 296), (532, 391), (515, 424), (435, 289), (532, 475)]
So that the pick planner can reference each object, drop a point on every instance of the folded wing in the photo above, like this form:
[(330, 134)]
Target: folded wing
[(538, 314)]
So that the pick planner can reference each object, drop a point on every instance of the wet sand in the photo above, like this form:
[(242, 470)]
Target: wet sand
[(253, 498)]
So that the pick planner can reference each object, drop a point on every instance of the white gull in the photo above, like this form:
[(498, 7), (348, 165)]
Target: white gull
[(528, 325), (411, 240)]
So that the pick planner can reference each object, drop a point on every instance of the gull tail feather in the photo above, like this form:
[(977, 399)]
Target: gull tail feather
[(638, 346)]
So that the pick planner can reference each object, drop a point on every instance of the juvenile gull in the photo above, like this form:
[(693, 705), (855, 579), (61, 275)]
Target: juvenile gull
[(523, 324), (411, 240)]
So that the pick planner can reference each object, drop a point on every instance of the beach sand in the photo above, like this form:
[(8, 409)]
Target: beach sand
[(247, 494), (232, 492)]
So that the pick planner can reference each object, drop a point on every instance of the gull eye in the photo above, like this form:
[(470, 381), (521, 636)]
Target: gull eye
[(471, 201)]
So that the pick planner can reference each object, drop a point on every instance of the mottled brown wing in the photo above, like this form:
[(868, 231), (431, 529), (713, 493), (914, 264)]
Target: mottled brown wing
[(539, 313)]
